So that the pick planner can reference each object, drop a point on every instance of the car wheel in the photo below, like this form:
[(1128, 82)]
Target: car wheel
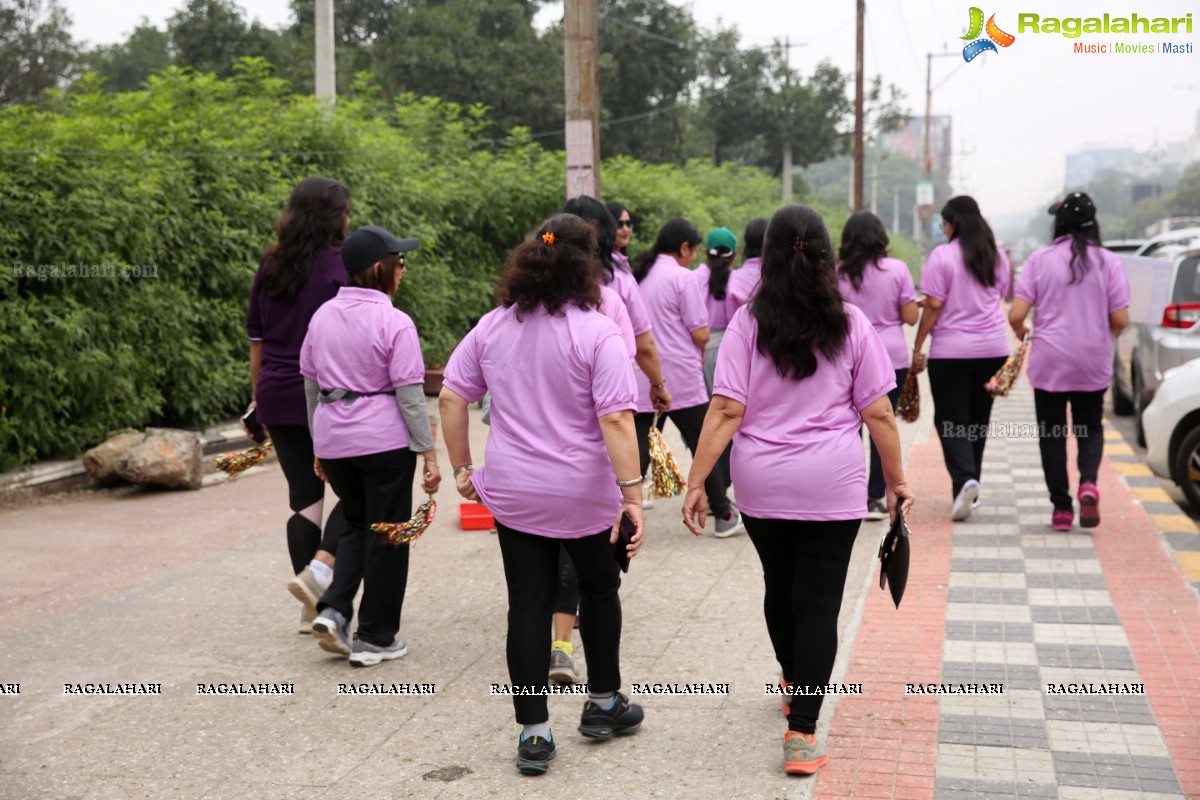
[(1139, 406), (1187, 467), (1122, 404)]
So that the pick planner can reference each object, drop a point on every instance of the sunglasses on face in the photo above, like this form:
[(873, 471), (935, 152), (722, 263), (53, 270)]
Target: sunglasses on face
[(625, 223)]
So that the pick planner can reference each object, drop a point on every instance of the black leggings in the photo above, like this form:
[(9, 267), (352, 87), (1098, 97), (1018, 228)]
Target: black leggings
[(804, 569), (876, 486), (689, 421), (962, 409), (294, 446), (531, 572), (1086, 411)]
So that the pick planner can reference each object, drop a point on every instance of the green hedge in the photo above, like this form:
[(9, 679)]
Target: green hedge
[(174, 189)]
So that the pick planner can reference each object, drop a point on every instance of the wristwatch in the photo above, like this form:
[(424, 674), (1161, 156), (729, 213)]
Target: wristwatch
[(464, 468)]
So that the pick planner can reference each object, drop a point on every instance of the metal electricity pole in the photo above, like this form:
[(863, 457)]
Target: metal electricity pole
[(924, 209), (858, 111), (326, 80), (581, 56)]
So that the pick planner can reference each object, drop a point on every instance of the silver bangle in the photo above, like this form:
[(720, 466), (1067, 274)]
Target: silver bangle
[(464, 468), (630, 482)]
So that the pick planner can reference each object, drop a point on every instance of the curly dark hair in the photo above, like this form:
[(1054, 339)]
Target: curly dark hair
[(864, 241), (314, 219), (798, 308), (974, 236), (552, 274)]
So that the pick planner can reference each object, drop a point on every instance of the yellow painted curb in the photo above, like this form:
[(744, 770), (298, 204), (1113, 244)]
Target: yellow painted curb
[(1113, 435), (1189, 564), (1175, 523), (1130, 470), (1118, 450), (1148, 494)]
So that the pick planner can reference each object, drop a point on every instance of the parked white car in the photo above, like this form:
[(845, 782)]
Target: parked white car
[(1172, 426)]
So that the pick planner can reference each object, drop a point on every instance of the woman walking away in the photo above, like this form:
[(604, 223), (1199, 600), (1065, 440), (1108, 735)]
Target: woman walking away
[(883, 289), (1082, 298), (562, 418), (743, 283), (364, 380), (676, 305), (297, 275), (799, 372), (963, 282), (624, 220), (720, 251)]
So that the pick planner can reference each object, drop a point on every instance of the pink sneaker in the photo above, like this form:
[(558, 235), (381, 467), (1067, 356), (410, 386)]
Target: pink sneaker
[(1089, 505), (1062, 520)]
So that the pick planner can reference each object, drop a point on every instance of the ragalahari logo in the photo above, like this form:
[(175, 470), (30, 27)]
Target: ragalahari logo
[(995, 36)]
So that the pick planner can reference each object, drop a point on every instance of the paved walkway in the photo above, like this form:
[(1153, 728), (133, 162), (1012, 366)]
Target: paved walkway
[(183, 589)]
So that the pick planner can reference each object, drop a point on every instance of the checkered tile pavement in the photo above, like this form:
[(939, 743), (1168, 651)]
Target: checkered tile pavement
[(1025, 606)]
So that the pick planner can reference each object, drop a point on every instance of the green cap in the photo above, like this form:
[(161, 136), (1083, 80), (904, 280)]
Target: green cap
[(721, 241)]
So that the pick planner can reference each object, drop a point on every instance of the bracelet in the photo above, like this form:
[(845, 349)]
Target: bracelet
[(662, 385), (464, 468), (630, 482)]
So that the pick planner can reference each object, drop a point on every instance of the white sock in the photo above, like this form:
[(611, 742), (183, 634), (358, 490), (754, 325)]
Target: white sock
[(605, 701), (541, 729), (322, 572)]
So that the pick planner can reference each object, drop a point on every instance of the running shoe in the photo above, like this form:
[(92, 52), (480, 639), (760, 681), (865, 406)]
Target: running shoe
[(1089, 505), (801, 753)]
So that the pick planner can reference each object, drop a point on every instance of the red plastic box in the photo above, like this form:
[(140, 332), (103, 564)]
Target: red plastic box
[(474, 517)]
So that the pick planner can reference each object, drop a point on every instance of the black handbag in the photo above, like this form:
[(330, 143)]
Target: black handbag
[(893, 559)]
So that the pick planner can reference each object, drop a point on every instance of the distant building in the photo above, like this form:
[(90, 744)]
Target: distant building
[(910, 140), (1083, 166)]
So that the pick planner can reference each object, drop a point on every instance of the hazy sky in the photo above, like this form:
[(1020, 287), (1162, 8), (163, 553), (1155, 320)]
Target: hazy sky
[(1017, 112)]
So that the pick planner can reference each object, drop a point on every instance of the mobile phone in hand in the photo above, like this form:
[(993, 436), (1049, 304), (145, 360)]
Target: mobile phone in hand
[(625, 532), (255, 429)]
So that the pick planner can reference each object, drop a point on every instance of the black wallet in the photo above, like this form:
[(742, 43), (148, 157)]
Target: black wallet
[(893, 559), (625, 533)]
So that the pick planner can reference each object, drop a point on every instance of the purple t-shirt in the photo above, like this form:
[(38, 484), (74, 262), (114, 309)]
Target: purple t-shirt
[(719, 311), (1071, 349), (676, 308), (797, 454), (281, 327), (613, 307), (886, 285), (744, 281), (625, 285), (359, 341), (971, 324), (551, 377), (621, 261)]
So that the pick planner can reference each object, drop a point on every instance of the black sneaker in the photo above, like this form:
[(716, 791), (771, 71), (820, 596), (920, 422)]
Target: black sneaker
[(876, 510), (535, 754), (622, 719)]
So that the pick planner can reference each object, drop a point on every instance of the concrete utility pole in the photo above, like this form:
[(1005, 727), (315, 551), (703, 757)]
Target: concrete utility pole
[(858, 111), (787, 139), (923, 238), (581, 57), (326, 71)]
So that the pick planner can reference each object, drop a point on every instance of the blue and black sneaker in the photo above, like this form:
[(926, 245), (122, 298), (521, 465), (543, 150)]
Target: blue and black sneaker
[(622, 719), (534, 754)]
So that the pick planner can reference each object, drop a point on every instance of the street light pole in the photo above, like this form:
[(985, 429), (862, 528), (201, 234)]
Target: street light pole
[(858, 111), (923, 240)]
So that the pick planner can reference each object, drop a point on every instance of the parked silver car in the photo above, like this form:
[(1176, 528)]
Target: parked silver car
[(1145, 351)]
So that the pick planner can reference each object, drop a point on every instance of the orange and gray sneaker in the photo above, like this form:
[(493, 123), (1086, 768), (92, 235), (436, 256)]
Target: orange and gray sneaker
[(801, 753), (785, 703)]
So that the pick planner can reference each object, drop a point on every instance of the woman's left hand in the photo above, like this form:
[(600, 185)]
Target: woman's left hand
[(634, 512), (695, 507), (465, 487), (432, 478)]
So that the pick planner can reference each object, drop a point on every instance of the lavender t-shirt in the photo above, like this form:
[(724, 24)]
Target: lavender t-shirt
[(744, 281), (677, 308), (620, 261), (886, 285), (551, 377), (797, 454), (281, 327), (1071, 349), (719, 311), (613, 307), (625, 285), (360, 342), (971, 324)]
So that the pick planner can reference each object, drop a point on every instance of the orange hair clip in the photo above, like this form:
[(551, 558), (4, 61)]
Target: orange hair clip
[(548, 238)]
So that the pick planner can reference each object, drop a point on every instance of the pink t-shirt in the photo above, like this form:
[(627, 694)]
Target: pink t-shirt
[(620, 260), (719, 311), (1071, 349), (676, 308), (797, 454), (359, 341), (625, 285), (886, 285), (744, 281), (613, 307), (971, 324), (551, 377)]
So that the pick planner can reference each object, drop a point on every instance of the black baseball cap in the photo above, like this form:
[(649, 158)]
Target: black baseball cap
[(370, 244), (1076, 207)]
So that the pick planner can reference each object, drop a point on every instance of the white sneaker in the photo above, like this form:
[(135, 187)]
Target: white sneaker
[(963, 504), (648, 502)]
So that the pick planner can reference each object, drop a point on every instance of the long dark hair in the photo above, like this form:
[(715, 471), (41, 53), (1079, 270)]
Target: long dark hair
[(558, 266), (1082, 233), (592, 210), (755, 230), (719, 269), (617, 209), (798, 307), (671, 239), (314, 219), (974, 236), (864, 241)]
